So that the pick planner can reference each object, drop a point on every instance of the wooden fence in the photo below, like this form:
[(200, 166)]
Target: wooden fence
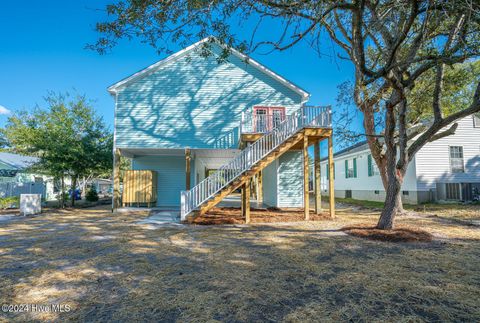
[(139, 187)]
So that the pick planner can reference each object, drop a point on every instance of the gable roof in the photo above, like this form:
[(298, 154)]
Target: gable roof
[(355, 148), (154, 67), (16, 161), (358, 147)]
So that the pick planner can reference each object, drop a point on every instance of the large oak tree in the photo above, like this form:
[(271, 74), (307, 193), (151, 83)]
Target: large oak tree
[(391, 44)]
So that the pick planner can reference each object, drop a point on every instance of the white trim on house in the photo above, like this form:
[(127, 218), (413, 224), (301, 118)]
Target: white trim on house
[(152, 68)]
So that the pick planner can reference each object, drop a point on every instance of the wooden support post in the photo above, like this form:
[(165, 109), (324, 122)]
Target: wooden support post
[(331, 188), (116, 179), (260, 187), (188, 158), (306, 193), (318, 188), (254, 187), (246, 201)]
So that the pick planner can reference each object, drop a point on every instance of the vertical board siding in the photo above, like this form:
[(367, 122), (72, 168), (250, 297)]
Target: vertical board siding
[(139, 186), (194, 102), (290, 179), (433, 160), (270, 184), (170, 176)]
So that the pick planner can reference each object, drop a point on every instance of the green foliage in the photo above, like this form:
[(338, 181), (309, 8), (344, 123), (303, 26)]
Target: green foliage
[(68, 136), (458, 89), (8, 202), (62, 197), (92, 195), (125, 164)]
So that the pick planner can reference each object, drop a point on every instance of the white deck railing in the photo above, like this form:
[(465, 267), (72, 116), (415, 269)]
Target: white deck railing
[(306, 116), (263, 123)]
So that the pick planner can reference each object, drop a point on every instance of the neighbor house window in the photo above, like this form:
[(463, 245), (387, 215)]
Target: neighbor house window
[(456, 159), (351, 168), (376, 192), (327, 171), (372, 167), (405, 193), (476, 120)]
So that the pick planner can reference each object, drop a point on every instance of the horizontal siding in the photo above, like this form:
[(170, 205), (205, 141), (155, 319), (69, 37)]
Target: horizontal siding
[(269, 182), (433, 160), (363, 182), (171, 176), (290, 179), (194, 102)]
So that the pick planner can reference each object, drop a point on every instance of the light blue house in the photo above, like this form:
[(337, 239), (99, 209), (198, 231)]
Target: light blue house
[(188, 116)]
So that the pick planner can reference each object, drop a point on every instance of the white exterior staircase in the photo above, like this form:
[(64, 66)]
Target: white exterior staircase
[(252, 159)]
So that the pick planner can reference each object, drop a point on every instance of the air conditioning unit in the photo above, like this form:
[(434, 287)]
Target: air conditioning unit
[(30, 204)]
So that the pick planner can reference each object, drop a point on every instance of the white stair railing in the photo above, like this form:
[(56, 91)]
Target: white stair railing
[(305, 116)]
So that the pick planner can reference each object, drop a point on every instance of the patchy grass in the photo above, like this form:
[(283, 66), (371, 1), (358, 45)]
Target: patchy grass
[(108, 267), (360, 203), (453, 211), (461, 212)]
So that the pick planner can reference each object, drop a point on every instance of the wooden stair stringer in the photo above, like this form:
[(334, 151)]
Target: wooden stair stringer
[(260, 165)]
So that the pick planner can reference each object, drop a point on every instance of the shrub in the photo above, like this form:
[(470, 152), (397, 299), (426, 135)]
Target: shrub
[(9, 202), (92, 195), (66, 197)]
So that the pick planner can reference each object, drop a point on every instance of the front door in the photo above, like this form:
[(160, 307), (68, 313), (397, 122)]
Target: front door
[(278, 115), (260, 119)]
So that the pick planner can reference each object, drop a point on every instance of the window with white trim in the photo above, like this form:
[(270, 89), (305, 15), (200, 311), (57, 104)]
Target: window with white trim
[(476, 120), (456, 159), (372, 166), (351, 168)]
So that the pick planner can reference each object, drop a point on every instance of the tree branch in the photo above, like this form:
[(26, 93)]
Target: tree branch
[(439, 124)]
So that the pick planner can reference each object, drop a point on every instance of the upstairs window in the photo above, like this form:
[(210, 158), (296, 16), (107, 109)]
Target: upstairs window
[(456, 159), (351, 168), (372, 167), (476, 120)]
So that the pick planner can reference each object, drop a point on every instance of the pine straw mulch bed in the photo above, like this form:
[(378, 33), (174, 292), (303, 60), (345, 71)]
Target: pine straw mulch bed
[(229, 215), (400, 233)]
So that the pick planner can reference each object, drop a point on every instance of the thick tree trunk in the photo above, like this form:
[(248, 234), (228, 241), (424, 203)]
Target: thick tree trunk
[(393, 177), (84, 185), (391, 207), (62, 192), (74, 185), (400, 209)]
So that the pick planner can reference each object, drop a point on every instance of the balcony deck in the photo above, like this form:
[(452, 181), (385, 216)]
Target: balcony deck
[(253, 127)]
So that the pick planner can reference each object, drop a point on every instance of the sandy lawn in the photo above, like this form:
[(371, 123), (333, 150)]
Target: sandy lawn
[(109, 267)]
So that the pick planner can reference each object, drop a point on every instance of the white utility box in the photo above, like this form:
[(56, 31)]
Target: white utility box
[(30, 204)]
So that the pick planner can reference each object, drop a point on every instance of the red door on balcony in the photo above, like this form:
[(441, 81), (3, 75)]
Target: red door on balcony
[(267, 118)]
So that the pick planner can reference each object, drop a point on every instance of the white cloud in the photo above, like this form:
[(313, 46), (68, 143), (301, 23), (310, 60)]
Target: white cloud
[(4, 110)]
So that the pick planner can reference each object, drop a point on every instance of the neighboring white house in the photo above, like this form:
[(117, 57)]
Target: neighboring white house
[(16, 178), (446, 169)]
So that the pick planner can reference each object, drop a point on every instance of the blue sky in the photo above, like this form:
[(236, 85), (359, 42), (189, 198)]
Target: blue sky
[(43, 49)]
